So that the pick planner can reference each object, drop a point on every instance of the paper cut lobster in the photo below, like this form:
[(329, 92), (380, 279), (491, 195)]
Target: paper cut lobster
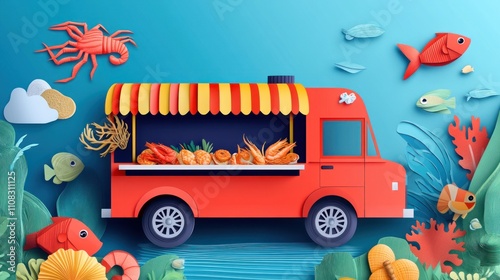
[(89, 42), (443, 49)]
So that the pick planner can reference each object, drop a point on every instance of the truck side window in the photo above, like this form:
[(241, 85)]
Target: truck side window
[(341, 138)]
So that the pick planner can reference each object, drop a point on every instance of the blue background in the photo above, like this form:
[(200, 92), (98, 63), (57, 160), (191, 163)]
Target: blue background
[(244, 41)]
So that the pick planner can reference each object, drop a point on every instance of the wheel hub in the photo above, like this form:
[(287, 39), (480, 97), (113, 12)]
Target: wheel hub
[(331, 222)]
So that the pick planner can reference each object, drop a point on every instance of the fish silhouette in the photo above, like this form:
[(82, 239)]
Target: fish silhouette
[(443, 49), (459, 201), (66, 233)]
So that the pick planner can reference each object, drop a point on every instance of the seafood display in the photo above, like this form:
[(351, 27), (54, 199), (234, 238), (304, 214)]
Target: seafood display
[(280, 152)]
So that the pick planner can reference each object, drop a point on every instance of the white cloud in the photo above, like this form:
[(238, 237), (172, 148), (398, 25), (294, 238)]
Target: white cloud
[(24, 109), (37, 87)]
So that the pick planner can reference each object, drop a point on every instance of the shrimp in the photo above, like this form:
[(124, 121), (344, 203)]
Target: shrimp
[(279, 152), (243, 156), (275, 148), (258, 155), (290, 158)]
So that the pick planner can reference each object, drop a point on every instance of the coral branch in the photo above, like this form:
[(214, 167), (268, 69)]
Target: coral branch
[(469, 142), (435, 244)]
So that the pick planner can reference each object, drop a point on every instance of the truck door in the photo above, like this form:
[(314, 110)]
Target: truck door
[(342, 153)]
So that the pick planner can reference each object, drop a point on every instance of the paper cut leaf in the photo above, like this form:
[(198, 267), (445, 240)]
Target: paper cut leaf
[(470, 143), (350, 67), (31, 272), (24, 109), (4, 275), (431, 168), (435, 244), (35, 215), (82, 199), (335, 265)]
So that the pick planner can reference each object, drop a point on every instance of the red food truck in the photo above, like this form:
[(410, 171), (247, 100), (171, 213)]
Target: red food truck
[(339, 177)]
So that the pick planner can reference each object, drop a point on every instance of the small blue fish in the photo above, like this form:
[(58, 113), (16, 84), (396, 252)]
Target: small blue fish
[(481, 93), (363, 31), (350, 67)]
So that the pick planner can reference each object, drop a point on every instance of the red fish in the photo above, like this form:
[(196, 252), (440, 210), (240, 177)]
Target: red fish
[(66, 233), (443, 49), (459, 201)]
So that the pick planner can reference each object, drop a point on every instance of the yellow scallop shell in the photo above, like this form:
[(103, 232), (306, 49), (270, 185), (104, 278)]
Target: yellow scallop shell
[(70, 264), (378, 255)]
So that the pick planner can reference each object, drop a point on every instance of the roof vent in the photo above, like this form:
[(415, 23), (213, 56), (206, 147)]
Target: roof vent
[(281, 79)]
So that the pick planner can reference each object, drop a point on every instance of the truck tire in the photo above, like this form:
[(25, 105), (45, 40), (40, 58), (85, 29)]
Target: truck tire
[(331, 222), (168, 222)]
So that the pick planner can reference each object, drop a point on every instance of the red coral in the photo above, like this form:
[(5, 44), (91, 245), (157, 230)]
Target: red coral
[(469, 142), (436, 244)]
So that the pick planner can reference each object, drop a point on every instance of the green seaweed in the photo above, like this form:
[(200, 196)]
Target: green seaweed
[(336, 265), (431, 273), (35, 217), (8, 134), (13, 172), (82, 199), (483, 245), (4, 275), (161, 265), (31, 272)]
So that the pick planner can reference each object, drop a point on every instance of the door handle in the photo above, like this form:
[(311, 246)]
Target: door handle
[(327, 167)]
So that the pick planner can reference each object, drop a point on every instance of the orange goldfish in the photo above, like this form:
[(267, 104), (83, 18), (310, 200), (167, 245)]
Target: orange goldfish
[(459, 201), (66, 233)]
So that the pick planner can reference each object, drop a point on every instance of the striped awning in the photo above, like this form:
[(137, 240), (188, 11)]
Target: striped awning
[(224, 98)]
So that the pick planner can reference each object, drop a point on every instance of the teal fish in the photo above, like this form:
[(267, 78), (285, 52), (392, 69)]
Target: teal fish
[(65, 168), (436, 101), (481, 93), (363, 31)]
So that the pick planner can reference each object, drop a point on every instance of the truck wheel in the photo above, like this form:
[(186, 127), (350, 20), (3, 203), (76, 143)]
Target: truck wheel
[(168, 223), (331, 222)]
